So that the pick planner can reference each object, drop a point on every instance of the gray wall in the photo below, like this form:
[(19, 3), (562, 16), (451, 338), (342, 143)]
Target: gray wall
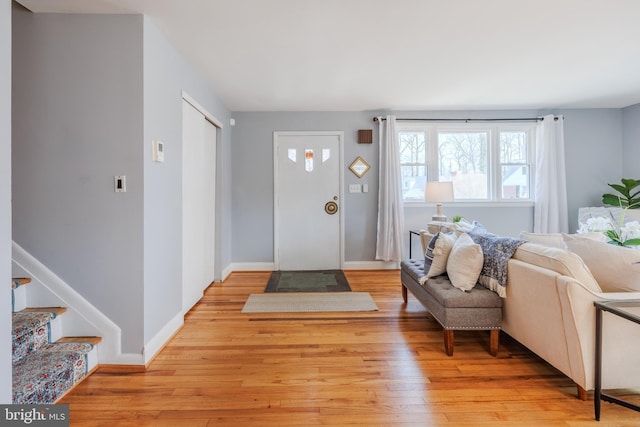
[(631, 138), (5, 199), (166, 75), (77, 123), (593, 146), (252, 177), (93, 92)]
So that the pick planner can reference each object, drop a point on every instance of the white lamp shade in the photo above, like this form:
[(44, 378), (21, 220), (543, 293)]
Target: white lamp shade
[(438, 191)]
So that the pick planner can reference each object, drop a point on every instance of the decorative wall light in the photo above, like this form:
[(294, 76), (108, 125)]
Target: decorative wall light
[(365, 136), (359, 167)]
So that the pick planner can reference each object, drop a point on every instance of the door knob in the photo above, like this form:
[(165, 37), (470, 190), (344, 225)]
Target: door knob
[(331, 208)]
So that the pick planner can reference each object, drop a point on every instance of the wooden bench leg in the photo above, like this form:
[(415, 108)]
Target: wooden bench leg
[(404, 293), (582, 393), (448, 341), (494, 342)]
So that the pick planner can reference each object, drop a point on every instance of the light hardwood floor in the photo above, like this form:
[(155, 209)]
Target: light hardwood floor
[(384, 368)]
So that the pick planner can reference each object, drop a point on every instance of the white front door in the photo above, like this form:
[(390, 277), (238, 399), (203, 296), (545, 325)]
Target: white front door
[(308, 200)]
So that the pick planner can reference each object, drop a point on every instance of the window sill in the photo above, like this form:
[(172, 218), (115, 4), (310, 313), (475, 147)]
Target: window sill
[(470, 204)]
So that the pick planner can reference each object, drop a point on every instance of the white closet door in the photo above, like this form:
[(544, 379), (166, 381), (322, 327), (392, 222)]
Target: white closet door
[(198, 205)]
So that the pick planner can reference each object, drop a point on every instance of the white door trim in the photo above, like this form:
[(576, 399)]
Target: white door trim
[(210, 117), (276, 213)]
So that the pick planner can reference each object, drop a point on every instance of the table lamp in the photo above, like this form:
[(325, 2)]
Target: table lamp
[(438, 192)]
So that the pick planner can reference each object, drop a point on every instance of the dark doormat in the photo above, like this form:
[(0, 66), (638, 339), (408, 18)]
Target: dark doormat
[(308, 281)]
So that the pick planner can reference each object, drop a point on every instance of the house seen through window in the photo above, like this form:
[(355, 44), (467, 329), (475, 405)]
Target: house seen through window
[(485, 162)]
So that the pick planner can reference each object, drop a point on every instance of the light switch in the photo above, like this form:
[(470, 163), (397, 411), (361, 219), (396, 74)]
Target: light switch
[(355, 188), (120, 184)]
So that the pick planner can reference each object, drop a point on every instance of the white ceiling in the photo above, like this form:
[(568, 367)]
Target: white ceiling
[(338, 55)]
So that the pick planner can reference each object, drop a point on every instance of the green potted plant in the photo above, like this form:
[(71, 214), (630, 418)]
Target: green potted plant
[(628, 197)]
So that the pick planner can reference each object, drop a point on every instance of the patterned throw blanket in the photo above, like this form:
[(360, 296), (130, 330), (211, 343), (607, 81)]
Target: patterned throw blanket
[(497, 251)]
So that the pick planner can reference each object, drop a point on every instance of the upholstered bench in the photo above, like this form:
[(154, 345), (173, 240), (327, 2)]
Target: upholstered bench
[(478, 309)]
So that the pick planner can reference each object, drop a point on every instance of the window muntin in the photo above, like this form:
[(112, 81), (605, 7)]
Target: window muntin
[(491, 162), (413, 163), (514, 165), (463, 159)]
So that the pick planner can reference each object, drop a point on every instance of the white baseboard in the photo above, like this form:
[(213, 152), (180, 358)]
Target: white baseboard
[(251, 266), (371, 265), (348, 265), (161, 338), (226, 272)]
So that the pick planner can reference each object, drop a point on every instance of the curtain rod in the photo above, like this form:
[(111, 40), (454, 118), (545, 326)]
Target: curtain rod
[(527, 119)]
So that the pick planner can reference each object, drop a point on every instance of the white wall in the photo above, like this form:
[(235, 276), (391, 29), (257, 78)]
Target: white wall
[(5, 200)]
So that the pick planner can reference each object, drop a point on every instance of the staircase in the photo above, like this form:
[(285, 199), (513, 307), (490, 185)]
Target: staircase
[(45, 364)]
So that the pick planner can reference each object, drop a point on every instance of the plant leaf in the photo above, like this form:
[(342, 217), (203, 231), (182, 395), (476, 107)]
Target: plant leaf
[(630, 183), (635, 194), (631, 242), (610, 199), (613, 236), (621, 189)]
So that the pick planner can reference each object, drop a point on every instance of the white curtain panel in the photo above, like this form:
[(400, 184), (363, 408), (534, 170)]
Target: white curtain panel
[(390, 241), (550, 212)]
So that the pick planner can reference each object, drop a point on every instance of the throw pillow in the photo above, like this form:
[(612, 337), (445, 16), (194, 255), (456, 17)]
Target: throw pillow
[(554, 240), (497, 252), (464, 225), (478, 228), (442, 248), (464, 263), (436, 226), (615, 268), (428, 255)]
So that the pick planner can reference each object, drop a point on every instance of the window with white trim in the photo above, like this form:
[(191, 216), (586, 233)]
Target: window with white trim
[(485, 161)]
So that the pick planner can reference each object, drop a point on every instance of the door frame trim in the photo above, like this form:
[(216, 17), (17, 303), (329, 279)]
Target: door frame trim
[(276, 193)]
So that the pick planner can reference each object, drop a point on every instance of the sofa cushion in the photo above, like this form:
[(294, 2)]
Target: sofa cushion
[(440, 289), (617, 269), (559, 260), (414, 268), (554, 240), (464, 263)]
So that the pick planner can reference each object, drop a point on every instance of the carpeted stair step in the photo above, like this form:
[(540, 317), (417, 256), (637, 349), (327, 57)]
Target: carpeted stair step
[(45, 366), (47, 374), (18, 293), (92, 356), (16, 282), (32, 328)]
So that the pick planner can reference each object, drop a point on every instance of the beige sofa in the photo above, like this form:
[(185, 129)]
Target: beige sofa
[(549, 309), (549, 306)]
